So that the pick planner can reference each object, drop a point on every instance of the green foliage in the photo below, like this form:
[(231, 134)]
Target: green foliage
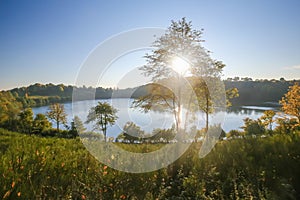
[(259, 92), (287, 125), (231, 94), (26, 121), (41, 95), (103, 115), (267, 119), (170, 90), (77, 125), (131, 133), (9, 110), (253, 127), (41, 124), (235, 134), (53, 168), (162, 135), (56, 112)]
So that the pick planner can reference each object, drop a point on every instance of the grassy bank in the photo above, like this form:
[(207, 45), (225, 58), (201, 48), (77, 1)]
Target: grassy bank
[(51, 168)]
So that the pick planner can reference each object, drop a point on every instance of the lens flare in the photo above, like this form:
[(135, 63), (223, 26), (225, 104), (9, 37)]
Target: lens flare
[(180, 65)]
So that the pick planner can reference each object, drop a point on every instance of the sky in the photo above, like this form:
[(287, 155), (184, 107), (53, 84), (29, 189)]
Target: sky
[(48, 41)]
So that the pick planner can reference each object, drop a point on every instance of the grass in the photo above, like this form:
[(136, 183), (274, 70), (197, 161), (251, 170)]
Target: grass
[(54, 168)]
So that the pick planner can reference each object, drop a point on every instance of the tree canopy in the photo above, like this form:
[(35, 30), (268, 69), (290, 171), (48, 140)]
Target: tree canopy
[(57, 113), (291, 101), (103, 115), (180, 47)]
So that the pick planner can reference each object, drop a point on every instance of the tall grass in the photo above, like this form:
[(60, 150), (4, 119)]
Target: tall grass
[(54, 168)]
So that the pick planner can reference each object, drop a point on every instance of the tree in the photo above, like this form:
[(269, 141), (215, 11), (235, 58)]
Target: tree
[(9, 110), (103, 114), (268, 118), (230, 94), (206, 99), (78, 125), (287, 125), (26, 121), (177, 53), (57, 114), (290, 102), (131, 133), (41, 124), (163, 135), (235, 134), (253, 127)]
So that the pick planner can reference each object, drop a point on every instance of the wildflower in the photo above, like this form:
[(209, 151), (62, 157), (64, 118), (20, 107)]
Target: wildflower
[(13, 184)]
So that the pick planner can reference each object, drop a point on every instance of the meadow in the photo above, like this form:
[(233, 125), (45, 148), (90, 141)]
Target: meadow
[(34, 167)]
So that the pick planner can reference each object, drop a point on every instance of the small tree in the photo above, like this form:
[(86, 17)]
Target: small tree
[(291, 101), (253, 127), (104, 115), (26, 121), (41, 124), (268, 118), (287, 125), (57, 114), (131, 133), (78, 125)]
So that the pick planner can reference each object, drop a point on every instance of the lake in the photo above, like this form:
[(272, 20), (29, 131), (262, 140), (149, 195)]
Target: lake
[(231, 119)]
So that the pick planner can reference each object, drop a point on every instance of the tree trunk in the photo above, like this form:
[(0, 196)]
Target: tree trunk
[(207, 110), (57, 125)]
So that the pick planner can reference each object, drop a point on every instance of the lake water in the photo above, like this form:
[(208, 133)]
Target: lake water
[(231, 119)]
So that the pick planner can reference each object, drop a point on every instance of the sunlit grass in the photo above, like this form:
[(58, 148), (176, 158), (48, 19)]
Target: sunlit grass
[(55, 168)]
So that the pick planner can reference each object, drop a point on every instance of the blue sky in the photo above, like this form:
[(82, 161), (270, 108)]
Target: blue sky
[(47, 41)]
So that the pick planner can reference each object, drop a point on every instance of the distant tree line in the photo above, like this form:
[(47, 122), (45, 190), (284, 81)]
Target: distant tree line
[(259, 92), (251, 92), (286, 122)]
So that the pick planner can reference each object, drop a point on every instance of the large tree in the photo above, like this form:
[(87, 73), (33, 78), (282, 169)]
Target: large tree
[(291, 101), (177, 54), (57, 114), (103, 115)]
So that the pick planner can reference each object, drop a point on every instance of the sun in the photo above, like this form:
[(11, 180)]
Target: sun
[(180, 65)]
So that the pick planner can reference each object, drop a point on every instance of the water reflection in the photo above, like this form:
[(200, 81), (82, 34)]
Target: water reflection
[(233, 116)]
